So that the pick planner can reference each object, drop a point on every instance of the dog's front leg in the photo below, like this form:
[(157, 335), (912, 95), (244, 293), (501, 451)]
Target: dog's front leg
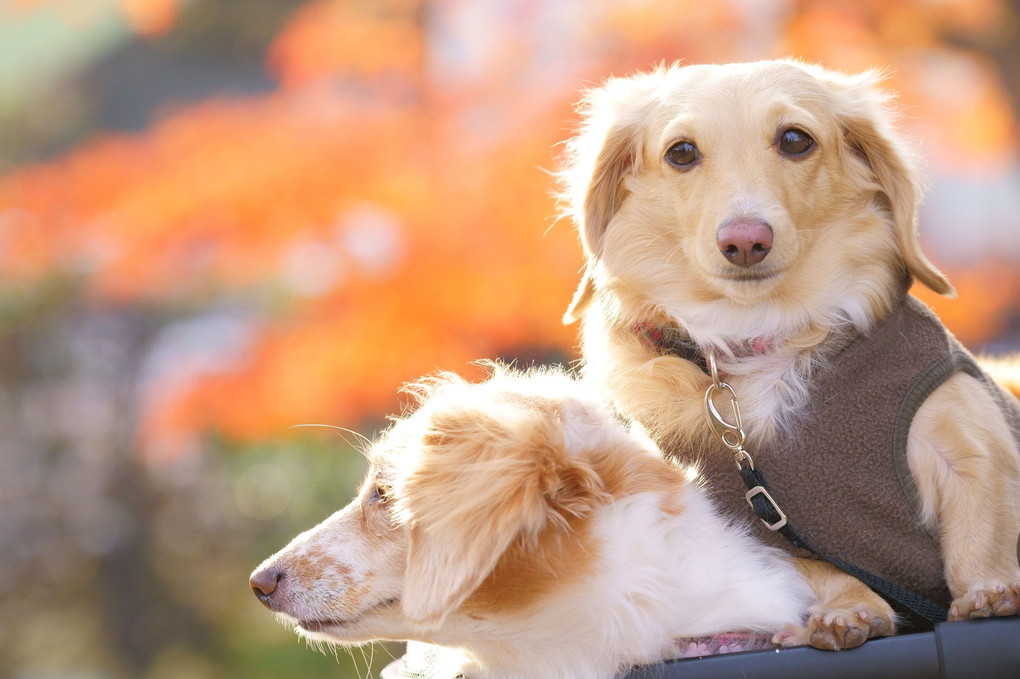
[(617, 361), (967, 471), (846, 614)]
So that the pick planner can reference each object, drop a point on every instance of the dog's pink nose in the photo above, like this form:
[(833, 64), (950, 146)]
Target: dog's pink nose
[(264, 581), (744, 241)]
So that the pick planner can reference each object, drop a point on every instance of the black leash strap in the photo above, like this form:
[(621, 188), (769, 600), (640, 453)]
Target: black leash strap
[(768, 511)]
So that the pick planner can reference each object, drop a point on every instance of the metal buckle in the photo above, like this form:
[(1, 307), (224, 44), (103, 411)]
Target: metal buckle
[(760, 490)]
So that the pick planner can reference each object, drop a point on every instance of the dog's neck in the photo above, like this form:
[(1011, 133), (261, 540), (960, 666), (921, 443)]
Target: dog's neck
[(670, 339)]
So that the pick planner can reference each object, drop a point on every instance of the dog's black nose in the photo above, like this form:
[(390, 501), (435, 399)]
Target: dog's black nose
[(264, 581), (744, 241)]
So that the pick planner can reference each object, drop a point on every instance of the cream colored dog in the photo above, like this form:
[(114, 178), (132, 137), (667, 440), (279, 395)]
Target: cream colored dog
[(517, 523), (767, 212)]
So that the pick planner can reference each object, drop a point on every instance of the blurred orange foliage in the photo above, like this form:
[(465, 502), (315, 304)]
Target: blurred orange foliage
[(389, 218), (151, 17), (329, 38), (986, 296)]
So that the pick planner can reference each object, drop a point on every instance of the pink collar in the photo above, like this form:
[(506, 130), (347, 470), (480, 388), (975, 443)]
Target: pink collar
[(671, 340)]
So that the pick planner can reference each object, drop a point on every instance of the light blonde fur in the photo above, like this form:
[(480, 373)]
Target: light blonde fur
[(519, 525), (844, 224)]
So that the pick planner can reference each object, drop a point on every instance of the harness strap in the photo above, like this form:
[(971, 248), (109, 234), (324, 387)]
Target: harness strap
[(768, 511)]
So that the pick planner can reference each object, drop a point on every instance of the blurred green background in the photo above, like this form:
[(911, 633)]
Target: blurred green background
[(223, 218)]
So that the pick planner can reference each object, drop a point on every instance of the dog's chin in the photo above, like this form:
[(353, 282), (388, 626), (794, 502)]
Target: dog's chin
[(345, 628)]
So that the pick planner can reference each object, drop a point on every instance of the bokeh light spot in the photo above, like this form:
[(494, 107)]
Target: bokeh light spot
[(263, 492)]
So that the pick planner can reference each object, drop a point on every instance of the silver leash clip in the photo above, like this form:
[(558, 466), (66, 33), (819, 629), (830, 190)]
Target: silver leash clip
[(731, 433)]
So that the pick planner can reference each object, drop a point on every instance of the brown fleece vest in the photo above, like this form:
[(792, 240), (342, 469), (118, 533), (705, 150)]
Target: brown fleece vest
[(844, 481)]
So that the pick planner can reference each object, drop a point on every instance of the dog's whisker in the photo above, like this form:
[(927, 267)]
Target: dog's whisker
[(361, 443), (354, 660), (370, 660), (675, 250), (658, 237)]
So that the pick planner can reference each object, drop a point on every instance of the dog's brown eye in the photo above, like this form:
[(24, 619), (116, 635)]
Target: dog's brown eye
[(682, 155), (794, 142)]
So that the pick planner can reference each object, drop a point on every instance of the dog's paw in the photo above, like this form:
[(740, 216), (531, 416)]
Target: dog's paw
[(832, 630), (986, 601)]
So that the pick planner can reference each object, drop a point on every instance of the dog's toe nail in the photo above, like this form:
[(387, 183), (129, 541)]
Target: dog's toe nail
[(982, 607)]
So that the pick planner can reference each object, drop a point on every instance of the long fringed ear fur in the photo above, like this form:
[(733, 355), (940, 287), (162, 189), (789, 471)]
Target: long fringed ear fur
[(606, 150), (481, 482), (583, 296), (868, 131)]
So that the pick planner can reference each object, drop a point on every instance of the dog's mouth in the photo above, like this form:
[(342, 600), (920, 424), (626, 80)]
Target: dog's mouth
[(325, 624), (751, 275)]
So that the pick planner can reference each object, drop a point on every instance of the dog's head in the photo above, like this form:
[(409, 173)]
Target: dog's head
[(772, 182), (481, 478)]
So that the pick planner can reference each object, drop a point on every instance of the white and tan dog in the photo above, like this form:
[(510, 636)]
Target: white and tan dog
[(767, 211), (518, 521)]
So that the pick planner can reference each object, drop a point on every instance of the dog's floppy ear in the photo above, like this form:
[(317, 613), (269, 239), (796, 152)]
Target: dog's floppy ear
[(483, 481), (606, 150), (583, 296), (867, 121)]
